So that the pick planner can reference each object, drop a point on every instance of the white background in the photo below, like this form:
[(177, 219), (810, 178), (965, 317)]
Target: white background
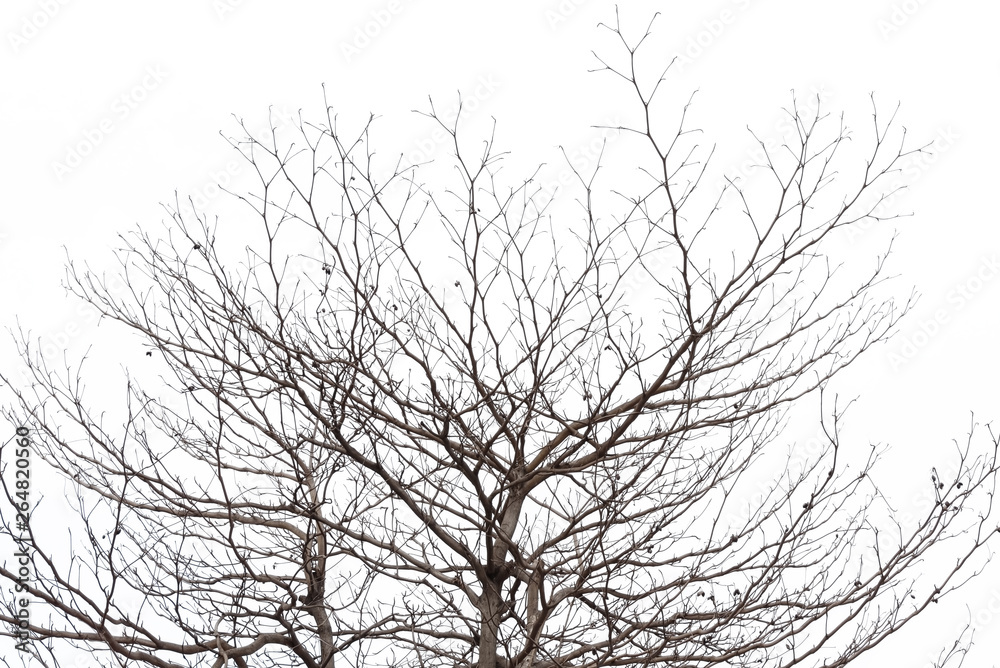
[(185, 67)]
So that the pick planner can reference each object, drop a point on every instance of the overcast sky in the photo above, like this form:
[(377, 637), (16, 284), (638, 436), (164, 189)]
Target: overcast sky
[(110, 106)]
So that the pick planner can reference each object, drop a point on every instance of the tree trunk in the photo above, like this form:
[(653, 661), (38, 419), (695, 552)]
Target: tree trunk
[(489, 626)]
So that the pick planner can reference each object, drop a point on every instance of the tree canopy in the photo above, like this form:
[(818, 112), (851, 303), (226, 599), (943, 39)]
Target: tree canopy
[(454, 425)]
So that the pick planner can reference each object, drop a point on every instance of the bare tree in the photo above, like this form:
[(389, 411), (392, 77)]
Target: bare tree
[(434, 427)]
